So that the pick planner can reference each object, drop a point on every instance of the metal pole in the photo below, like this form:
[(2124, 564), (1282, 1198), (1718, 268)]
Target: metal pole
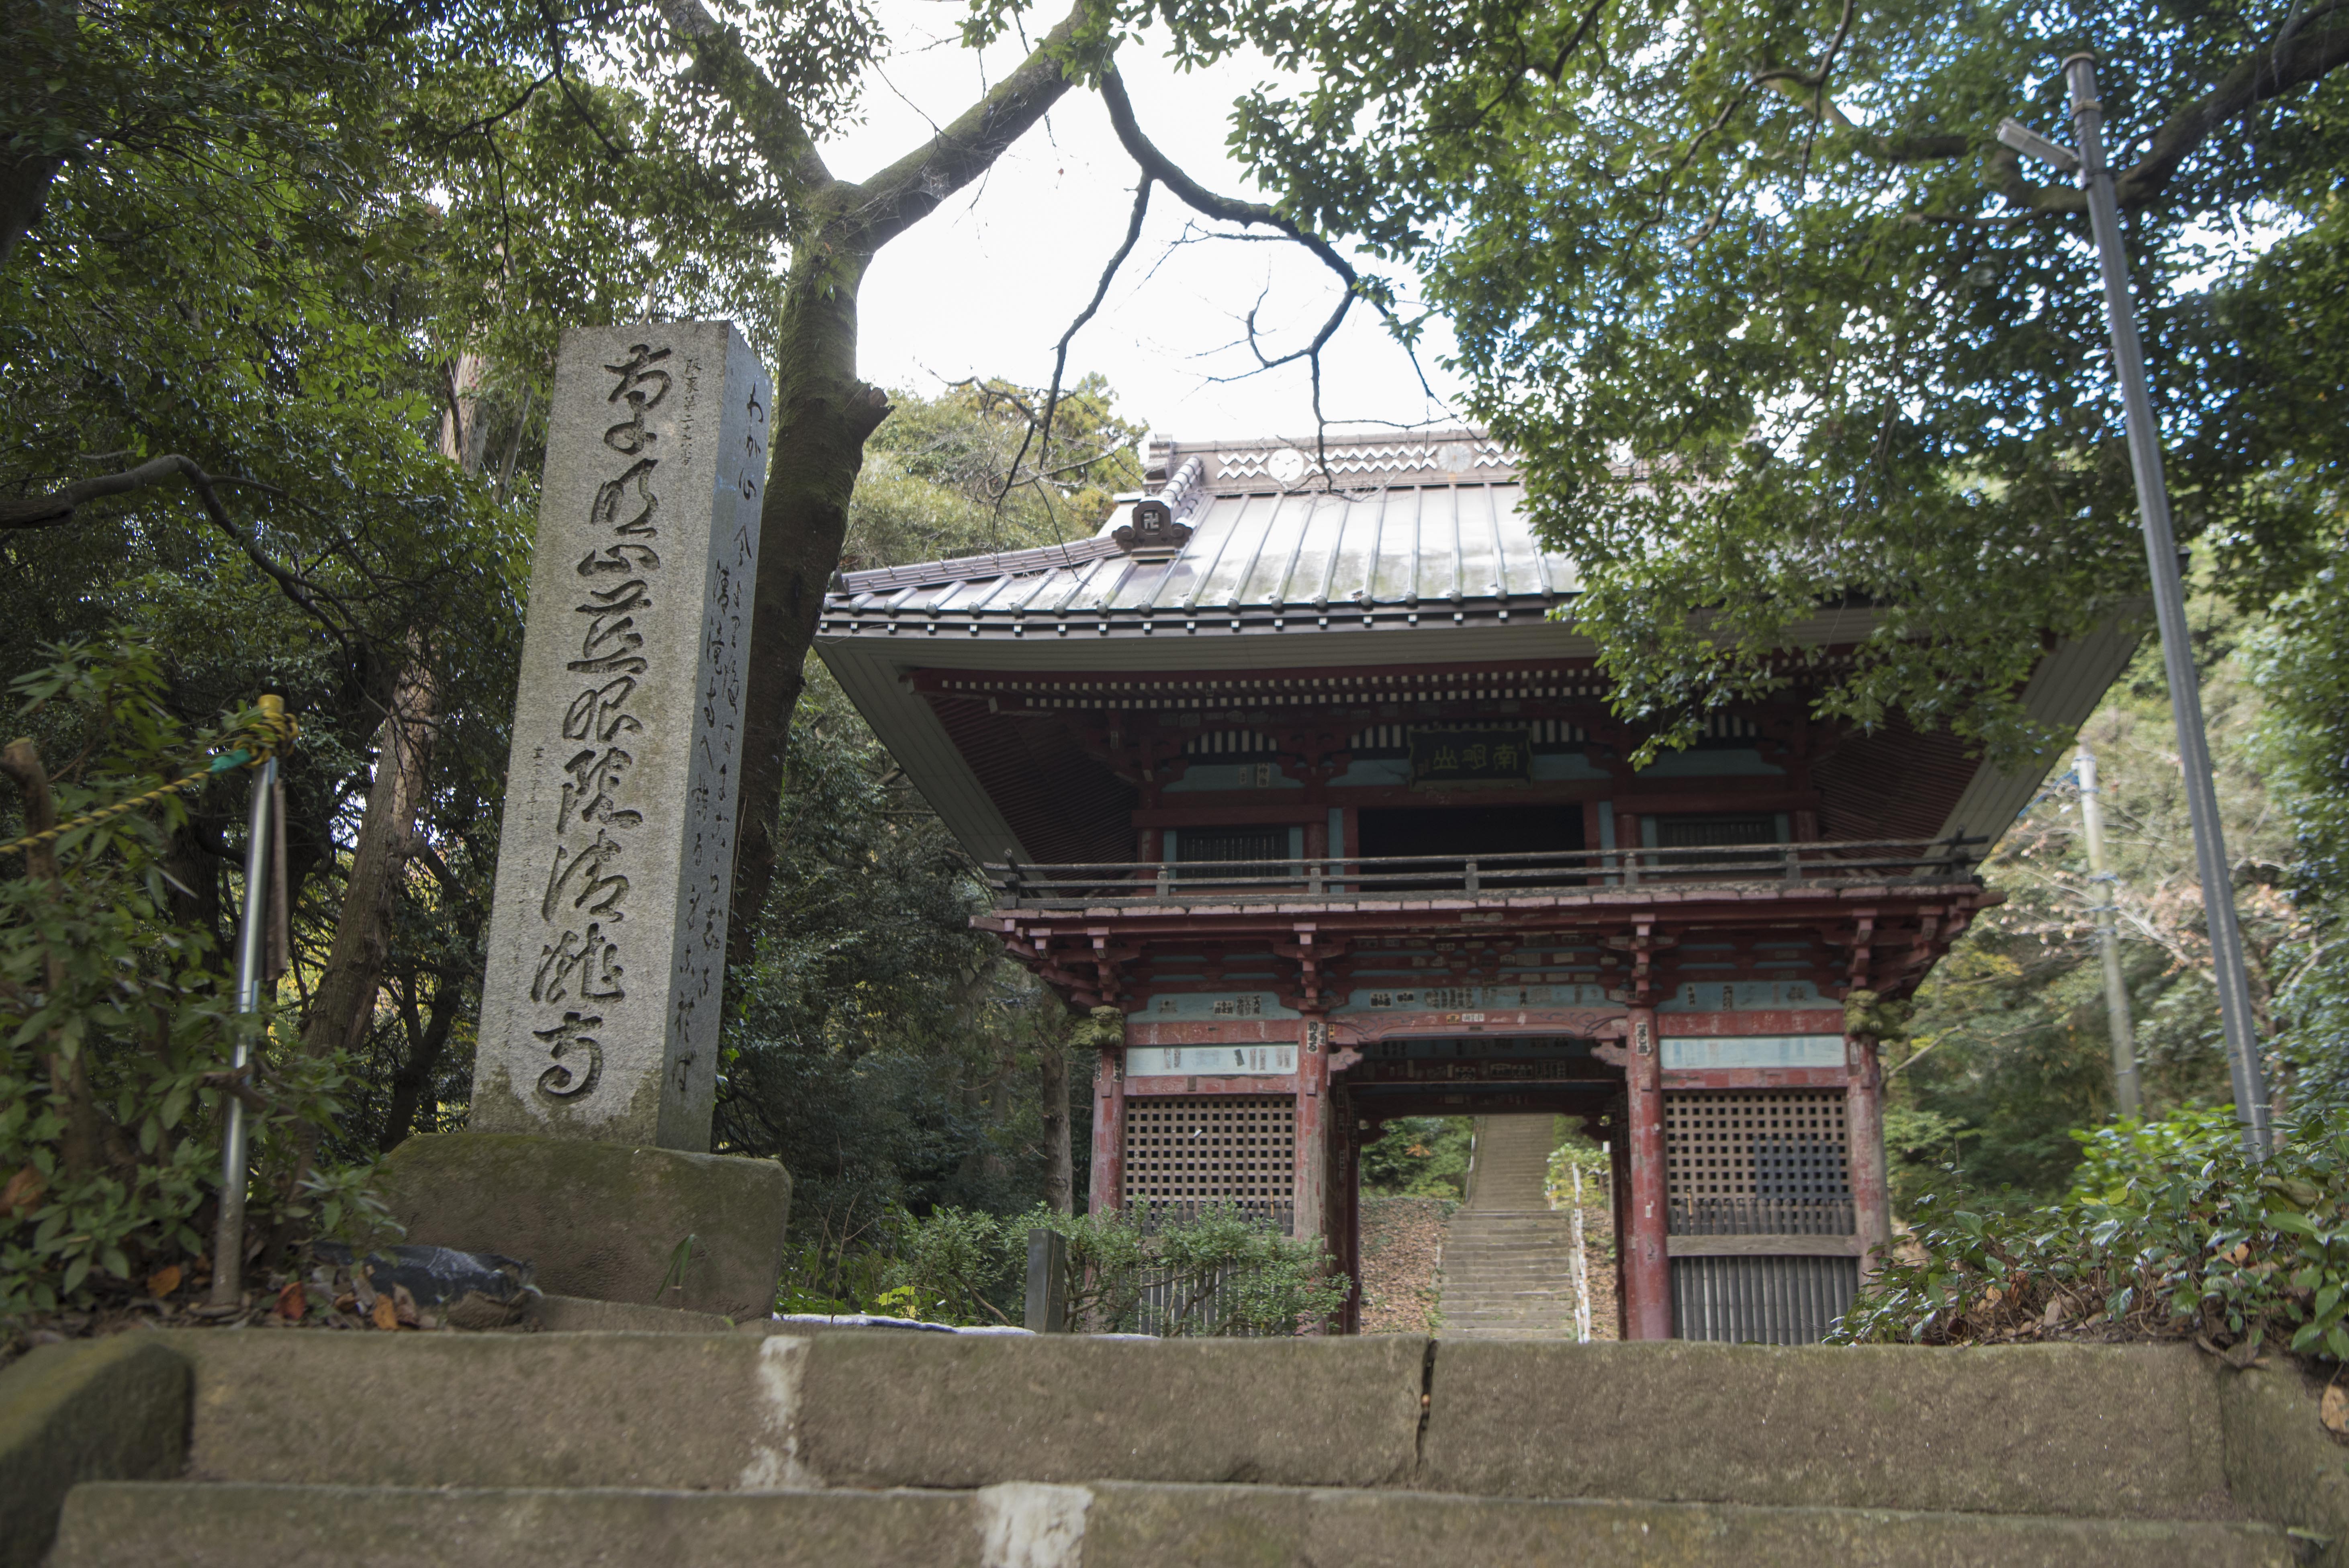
[(2108, 943), (2170, 610), (252, 933), (1582, 1262)]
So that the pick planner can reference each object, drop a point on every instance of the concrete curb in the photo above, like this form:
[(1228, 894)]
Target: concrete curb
[(2088, 1432), (861, 1407), (2281, 1464), (105, 1409), (1099, 1525)]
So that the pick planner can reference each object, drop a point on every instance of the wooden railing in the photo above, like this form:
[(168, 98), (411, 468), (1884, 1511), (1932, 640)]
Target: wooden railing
[(1019, 885)]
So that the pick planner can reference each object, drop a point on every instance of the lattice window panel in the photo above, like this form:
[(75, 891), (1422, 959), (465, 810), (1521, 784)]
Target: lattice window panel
[(1757, 1162), (1185, 1153)]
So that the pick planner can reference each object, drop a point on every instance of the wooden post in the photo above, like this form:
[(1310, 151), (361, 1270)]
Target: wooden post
[(1646, 1267), (1312, 1184), (1864, 1127), (1047, 1282), (1109, 1131)]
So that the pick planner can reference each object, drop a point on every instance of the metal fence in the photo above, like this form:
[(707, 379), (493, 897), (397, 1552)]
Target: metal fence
[(1761, 1301)]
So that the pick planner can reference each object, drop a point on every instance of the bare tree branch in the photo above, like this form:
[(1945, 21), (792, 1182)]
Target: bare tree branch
[(911, 189), (2296, 59), (1156, 164), (777, 131), (58, 506), (1060, 354)]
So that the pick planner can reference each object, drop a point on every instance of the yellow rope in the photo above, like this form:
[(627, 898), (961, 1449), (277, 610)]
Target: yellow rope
[(264, 738)]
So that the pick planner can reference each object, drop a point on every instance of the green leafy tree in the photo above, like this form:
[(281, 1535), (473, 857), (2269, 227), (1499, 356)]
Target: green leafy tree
[(1419, 1157), (1778, 325), (2007, 1049), (894, 1057)]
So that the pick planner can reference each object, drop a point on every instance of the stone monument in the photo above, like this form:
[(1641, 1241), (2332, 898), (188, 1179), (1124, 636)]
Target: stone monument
[(598, 1052)]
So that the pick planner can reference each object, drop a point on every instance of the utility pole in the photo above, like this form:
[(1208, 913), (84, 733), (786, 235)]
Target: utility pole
[(2108, 945), (2169, 591)]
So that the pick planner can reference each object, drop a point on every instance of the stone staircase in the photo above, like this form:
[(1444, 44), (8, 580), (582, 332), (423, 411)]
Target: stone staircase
[(1508, 1260), (777, 1446)]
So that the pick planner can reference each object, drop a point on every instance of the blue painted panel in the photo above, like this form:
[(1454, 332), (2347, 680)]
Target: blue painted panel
[(1222, 1061), (1373, 772), (1408, 998), (1565, 765), (1202, 777), (1753, 1051), (1201, 1006), (1735, 995), (1727, 763)]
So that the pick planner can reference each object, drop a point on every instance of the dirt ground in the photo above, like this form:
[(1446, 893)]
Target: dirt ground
[(1599, 1246), (1401, 1240)]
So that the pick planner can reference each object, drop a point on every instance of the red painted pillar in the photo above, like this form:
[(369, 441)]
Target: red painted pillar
[(1109, 1130), (1871, 1197), (1646, 1266), (1311, 1193)]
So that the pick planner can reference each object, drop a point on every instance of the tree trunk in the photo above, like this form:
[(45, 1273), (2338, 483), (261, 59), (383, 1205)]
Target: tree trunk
[(1060, 1170), (464, 430), (425, 1049), (24, 191), (344, 1004), (823, 414)]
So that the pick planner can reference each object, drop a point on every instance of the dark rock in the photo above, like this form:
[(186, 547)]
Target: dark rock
[(467, 1290)]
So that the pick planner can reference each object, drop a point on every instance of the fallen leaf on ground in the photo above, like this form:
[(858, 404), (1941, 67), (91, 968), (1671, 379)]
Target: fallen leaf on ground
[(292, 1302), (24, 1192), (403, 1305), (2334, 1410), (386, 1315), (163, 1280)]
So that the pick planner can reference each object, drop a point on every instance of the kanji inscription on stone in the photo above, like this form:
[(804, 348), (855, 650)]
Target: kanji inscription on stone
[(607, 938)]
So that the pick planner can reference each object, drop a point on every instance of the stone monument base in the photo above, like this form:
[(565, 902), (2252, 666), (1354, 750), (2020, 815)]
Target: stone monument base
[(600, 1220)]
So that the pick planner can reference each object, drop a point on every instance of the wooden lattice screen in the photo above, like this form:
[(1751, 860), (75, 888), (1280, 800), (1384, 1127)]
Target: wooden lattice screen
[(1187, 1153), (1757, 1162)]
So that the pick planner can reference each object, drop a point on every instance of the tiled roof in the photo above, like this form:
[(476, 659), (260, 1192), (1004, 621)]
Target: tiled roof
[(1436, 537)]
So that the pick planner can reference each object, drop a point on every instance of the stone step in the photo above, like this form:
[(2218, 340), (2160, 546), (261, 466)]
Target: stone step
[(1455, 1286), (1097, 1525), (2071, 1429), (1458, 1269)]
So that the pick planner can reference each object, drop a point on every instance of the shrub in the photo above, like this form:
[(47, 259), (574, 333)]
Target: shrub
[(2170, 1232), (1220, 1271), (118, 1022)]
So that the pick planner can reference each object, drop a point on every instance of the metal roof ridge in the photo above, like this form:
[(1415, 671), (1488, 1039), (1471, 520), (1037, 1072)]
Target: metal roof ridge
[(973, 568)]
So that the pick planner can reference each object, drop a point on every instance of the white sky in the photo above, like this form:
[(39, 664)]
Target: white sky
[(986, 285)]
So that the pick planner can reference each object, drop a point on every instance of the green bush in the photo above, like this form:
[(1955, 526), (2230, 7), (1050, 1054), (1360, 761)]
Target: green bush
[(1220, 1271), (118, 1020), (2170, 1232), (1419, 1157)]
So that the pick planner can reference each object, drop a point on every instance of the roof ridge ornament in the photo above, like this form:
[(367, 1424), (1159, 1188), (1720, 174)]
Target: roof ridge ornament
[(1153, 531)]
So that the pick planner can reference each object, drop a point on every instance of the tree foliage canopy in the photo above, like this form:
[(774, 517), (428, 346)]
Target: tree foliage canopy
[(1778, 325)]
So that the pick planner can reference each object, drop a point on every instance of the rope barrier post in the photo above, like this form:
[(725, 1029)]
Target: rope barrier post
[(251, 935)]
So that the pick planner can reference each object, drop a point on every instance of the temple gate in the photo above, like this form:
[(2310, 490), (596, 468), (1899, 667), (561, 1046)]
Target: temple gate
[(1308, 775)]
